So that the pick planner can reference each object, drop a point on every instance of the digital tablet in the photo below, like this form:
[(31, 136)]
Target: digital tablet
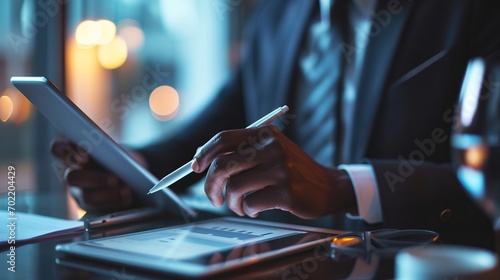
[(79, 128), (202, 249)]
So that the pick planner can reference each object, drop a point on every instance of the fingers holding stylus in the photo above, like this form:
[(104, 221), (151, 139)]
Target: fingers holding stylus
[(242, 162), (261, 169), (223, 143), (221, 171), (255, 182), (229, 141)]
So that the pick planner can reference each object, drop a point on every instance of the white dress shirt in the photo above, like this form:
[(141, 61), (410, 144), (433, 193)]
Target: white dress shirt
[(362, 175)]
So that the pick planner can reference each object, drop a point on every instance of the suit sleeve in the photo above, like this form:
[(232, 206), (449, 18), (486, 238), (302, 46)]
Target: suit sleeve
[(428, 195)]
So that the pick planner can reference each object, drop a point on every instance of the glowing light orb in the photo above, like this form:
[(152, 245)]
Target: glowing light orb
[(132, 33), (113, 54), (108, 31), (88, 32), (6, 108), (164, 103), (476, 156)]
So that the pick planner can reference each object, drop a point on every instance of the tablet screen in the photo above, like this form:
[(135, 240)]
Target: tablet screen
[(193, 241), (200, 247)]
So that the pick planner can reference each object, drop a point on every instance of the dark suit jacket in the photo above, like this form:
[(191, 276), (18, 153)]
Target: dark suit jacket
[(410, 81)]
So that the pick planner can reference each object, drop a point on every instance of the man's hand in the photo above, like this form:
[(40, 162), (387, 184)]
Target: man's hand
[(93, 187), (261, 169)]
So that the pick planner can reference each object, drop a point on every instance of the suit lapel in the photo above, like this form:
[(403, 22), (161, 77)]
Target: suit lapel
[(376, 66)]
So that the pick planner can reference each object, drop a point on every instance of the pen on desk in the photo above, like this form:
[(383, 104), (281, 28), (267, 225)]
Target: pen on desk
[(184, 170)]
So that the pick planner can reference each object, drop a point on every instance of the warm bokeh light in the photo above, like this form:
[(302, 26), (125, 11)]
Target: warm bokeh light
[(88, 85), (6, 108), (88, 32), (22, 110), (346, 241), (164, 103), (108, 31), (475, 157), (132, 34), (113, 54), (21, 106)]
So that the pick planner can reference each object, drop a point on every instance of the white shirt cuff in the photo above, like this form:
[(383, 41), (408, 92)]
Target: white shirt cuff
[(366, 190)]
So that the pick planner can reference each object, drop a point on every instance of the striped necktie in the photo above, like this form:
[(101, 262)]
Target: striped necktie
[(321, 66)]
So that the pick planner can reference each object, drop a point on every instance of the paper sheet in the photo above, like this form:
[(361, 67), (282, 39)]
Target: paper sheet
[(25, 226)]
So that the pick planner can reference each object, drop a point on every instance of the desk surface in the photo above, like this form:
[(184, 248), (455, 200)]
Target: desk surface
[(41, 261)]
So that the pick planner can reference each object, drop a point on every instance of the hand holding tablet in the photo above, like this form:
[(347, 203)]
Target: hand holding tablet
[(82, 131)]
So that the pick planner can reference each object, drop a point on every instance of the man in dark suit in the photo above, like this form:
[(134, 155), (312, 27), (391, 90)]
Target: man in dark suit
[(407, 70)]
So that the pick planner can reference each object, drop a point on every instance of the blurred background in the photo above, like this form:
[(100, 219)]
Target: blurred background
[(114, 59)]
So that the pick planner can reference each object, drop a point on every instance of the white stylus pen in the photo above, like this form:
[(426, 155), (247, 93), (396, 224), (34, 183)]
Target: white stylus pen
[(184, 170)]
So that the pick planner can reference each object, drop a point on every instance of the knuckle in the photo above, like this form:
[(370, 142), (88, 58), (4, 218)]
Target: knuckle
[(221, 137), (231, 191), (290, 196), (213, 186), (265, 133), (275, 129), (233, 197), (70, 175), (209, 190), (222, 166), (233, 204), (275, 143), (285, 196), (281, 172), (249, 206), (218, 166)]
